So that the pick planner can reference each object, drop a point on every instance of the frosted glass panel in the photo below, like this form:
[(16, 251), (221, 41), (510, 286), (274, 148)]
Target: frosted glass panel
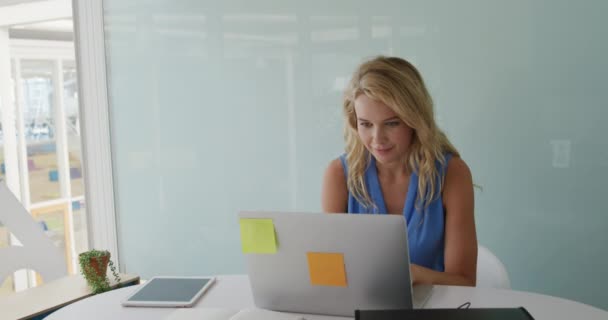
[(221, 106), (38, 91)]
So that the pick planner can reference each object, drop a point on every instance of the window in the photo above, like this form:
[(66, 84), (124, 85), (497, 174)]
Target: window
[(48, 145)]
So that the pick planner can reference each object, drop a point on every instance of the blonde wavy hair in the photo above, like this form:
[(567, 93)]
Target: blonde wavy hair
[(398, 84)]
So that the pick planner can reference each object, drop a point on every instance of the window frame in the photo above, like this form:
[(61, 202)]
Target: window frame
[(95, 125)]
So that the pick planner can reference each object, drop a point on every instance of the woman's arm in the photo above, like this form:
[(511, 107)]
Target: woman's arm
[(334, 194), (460, 253)]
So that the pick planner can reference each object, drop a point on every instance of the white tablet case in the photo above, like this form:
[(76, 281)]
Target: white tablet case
[(169, 292)]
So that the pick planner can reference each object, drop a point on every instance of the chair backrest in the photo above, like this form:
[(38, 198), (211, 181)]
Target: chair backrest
[(37, 251), (491, 272)]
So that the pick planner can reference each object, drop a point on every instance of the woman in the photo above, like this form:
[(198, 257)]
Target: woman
[(398, 161)]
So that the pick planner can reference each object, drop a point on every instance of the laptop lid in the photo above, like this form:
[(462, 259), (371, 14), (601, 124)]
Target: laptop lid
[(304, 274)]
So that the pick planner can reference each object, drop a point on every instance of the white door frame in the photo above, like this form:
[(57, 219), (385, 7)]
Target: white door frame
[(95, 125)]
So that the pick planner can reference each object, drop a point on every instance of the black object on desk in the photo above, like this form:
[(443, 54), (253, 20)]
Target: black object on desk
[(443, 314)]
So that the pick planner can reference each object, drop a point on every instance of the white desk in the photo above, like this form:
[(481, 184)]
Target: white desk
[(51, 296), (233, 292)]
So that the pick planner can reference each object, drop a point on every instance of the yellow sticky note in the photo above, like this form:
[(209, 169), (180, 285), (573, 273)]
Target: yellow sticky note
[(258, 236), (326, 269)]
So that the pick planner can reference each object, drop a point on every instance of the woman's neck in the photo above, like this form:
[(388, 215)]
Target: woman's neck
[(392, 171)]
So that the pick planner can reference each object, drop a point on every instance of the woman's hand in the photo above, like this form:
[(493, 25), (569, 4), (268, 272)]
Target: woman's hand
[(422, 275)]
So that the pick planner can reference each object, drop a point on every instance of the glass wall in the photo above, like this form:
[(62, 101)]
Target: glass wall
[(6, 286), (221, 106), (70, 100), (39, 129), (44, 78), (2, 167)]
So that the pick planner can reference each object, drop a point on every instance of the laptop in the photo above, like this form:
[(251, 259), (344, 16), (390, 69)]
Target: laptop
[(304, 275)]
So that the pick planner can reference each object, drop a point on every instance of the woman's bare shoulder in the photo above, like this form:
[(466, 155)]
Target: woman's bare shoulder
[(335, 193)]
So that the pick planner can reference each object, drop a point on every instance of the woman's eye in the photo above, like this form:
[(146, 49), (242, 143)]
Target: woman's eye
[(365, 124), (392, 123)]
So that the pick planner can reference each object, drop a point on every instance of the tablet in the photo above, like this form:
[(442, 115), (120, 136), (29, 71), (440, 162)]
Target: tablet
[(169, 292)]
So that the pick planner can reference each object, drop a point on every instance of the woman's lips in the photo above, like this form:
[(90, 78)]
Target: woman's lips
[(383, 150)]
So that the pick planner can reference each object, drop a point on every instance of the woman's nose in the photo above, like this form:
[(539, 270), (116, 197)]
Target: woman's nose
[(379, 134)]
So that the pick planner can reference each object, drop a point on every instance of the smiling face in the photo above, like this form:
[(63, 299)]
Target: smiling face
[(382, 132)]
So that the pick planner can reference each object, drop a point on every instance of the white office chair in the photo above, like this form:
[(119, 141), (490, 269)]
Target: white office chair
[(491, 273), (37, 252)]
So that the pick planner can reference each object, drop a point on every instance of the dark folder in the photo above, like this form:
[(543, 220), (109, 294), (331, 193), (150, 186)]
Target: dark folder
[(446, 314)]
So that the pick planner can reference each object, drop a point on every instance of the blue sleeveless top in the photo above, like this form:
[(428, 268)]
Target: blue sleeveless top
[(425, 227)]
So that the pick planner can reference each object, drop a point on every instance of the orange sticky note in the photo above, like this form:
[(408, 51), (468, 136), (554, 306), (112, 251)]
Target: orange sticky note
[(326, 269)]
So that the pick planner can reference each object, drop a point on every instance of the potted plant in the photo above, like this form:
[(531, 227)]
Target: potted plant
[(93, 266)]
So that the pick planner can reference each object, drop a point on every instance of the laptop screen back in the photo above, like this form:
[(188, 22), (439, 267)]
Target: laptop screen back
[(304, 273)]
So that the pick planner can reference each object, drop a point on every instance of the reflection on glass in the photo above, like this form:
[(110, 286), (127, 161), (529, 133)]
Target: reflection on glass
[(2, 169), (6, 287), (53, 225), (79, 215), (54, 221), (4, 236), (70, 103), (37, 89), (39, 129)]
